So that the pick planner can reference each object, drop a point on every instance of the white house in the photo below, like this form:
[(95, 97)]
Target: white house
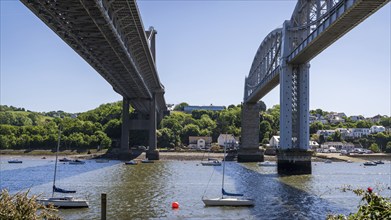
[(198, 142), (376, 129), (358, 132), (227, 140), (275, 142)]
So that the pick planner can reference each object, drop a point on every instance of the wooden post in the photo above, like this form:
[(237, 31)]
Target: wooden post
[(103, 206)]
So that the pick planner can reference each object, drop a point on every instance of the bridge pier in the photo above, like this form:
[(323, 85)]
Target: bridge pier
[(152, 153), (249, 149), (124, 152)]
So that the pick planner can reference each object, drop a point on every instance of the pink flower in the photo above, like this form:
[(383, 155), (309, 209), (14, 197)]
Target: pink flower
[(369, 189)]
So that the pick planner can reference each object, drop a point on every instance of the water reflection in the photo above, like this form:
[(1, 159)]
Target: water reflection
[(146, 191)]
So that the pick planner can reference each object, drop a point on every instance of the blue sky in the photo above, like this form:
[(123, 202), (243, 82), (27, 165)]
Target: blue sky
[(204, 51)]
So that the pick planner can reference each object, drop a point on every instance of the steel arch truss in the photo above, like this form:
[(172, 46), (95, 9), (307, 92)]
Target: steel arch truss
[(265, 68)]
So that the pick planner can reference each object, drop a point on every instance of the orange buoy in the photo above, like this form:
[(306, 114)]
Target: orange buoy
[(175, 205)]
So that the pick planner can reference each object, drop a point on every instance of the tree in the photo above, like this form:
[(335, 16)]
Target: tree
[(363, 124), (316, 126), (189, 130), (374, 148), (165, 138), (388, 147), (337, 136), (180, 106), (264, 130)]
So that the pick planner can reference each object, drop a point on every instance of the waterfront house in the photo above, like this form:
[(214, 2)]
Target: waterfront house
[(274, 142), (200, 142), (227, 140)]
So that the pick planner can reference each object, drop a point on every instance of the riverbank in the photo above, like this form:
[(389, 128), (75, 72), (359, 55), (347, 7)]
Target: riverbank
[(354, 157), (93, 153)]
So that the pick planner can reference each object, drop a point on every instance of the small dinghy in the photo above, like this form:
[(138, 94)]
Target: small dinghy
[(131, 162)]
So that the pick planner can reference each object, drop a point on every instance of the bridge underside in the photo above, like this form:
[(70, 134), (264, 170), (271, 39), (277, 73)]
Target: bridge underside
[(110, 36)]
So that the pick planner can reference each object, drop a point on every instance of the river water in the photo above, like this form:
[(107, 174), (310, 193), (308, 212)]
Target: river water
[(146, 191)]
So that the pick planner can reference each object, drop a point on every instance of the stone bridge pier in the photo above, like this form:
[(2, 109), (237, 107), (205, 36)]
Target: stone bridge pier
[(249, 149)]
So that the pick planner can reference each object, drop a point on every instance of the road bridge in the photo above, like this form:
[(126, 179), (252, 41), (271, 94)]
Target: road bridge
[(283, 58), (110, 36)]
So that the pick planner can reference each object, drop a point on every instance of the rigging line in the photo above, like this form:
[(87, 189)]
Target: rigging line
[(210, 178)]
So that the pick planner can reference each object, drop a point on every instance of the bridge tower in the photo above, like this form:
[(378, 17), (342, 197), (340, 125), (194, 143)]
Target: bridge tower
[(293, 155)]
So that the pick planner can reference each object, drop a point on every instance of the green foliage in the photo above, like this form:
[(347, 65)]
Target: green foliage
[(388, 147), (180, 106), (20, 206), (373, 206), (166, 138), (314, 127), (364, 124), (374, 148)]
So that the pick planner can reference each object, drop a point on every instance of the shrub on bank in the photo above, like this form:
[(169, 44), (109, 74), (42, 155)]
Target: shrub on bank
[(20, 206), (373, 206)]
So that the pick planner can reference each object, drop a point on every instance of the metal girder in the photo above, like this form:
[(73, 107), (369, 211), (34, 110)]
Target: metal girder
[(314, 25), (110, 36)]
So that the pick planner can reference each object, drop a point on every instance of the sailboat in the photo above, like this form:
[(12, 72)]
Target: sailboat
[(66, 201), (227, 199)]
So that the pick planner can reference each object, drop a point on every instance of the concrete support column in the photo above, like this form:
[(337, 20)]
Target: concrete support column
[(125, 126), (152, 153), (249, 149)]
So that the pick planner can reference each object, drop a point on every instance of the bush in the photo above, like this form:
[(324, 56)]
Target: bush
[(20, 206), (373, 207)]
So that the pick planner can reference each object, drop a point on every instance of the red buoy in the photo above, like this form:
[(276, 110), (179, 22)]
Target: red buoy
[(175, 205)]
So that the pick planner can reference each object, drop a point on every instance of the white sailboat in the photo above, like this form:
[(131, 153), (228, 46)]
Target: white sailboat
[(227, 199), (66, 201)]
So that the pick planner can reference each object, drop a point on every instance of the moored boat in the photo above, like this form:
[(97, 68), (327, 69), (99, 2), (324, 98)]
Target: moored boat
[(75, 162), (64, 159), (370, 163), (64, 202), (15, 161), (378, 162), (211, 163), (267, 164), (131, 162), (227, 199)]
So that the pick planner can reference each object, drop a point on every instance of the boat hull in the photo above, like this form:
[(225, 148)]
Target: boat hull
[(209, 163), (228, 202), (15, 161), (64, 202)]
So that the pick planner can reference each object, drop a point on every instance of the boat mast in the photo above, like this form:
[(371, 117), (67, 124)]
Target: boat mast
[(222, 184), (55, 166)]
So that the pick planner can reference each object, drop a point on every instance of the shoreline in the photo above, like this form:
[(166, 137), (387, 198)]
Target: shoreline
[(190, 156)]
